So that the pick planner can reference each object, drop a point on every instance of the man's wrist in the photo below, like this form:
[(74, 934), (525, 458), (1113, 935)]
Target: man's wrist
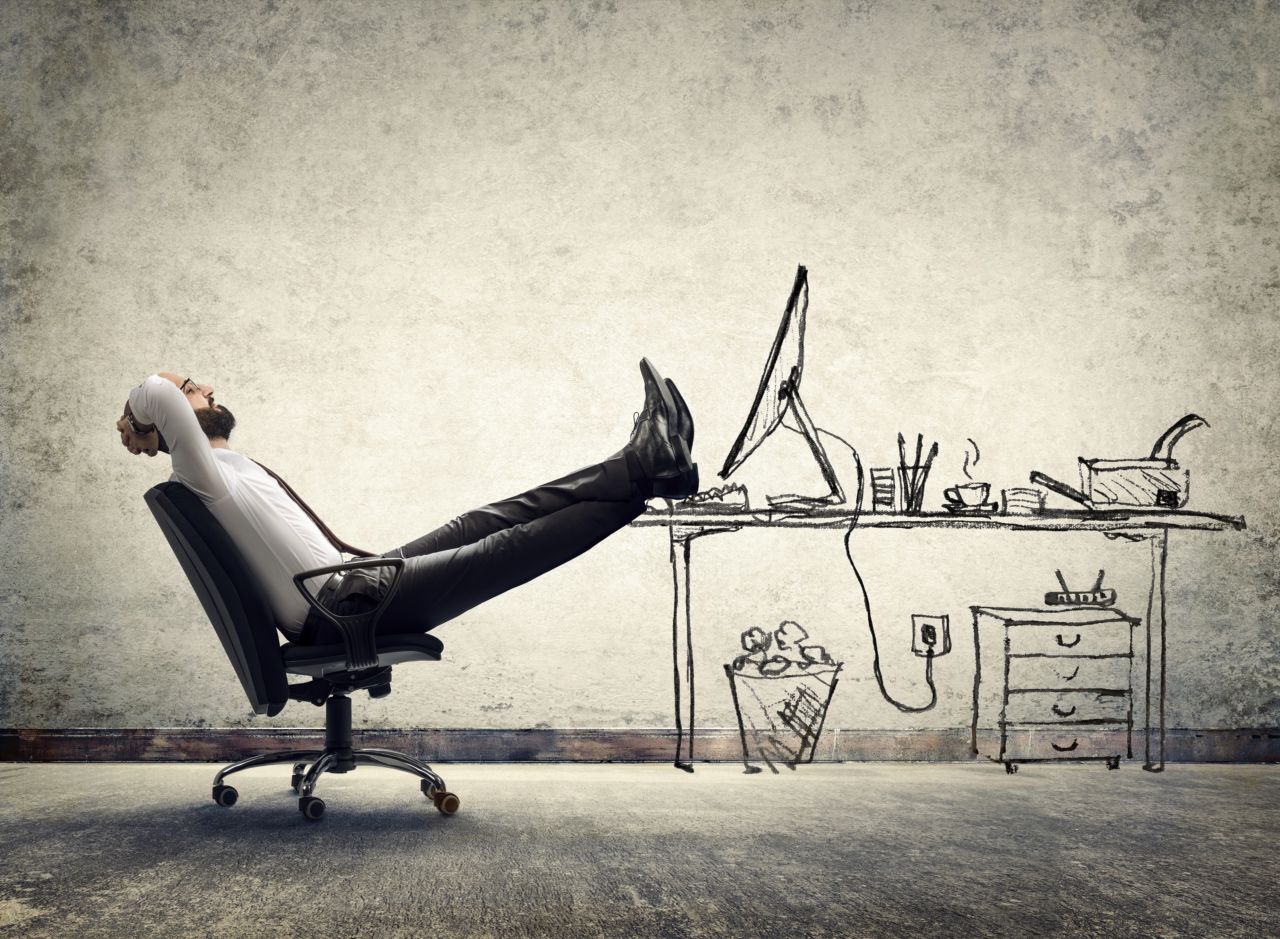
[(138, 426)]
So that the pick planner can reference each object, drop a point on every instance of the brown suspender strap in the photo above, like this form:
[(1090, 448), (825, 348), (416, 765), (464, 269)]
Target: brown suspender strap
[(324, 529)]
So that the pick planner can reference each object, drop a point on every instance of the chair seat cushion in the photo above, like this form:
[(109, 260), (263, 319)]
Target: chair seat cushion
[(392, 650)]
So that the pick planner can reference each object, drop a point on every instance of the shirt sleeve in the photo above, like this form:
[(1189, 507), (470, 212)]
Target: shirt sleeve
[(158, 401)]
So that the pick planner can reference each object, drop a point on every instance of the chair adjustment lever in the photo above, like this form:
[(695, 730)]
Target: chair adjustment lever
[(316, 691)]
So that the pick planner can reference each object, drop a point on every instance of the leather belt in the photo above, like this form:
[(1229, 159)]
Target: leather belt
[(314, 620), (330, 586)]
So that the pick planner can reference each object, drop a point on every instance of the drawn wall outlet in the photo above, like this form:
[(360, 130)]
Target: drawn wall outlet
[(930, 634)]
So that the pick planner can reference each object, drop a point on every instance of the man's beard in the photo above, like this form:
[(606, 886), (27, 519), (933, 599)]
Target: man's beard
[(216, 421)]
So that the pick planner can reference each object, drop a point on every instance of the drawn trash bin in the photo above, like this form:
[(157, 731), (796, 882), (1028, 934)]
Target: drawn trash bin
[(781, 686)]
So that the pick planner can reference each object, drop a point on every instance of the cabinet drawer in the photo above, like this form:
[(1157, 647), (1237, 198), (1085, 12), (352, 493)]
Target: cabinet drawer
[(1051, 707), (1061, 639), (1064, 744), (1066, 673)]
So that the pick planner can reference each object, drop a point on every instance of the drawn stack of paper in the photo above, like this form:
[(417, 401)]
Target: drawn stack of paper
[(1023, 501)]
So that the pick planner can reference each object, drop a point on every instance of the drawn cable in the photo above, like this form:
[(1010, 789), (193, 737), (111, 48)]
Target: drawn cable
[(875, 646), (867, 599)]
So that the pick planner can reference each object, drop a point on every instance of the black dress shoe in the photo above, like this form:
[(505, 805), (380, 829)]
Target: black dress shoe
[(684, 420), (662, 452)]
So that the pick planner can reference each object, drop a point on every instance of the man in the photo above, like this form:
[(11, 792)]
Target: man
[(474, 557)]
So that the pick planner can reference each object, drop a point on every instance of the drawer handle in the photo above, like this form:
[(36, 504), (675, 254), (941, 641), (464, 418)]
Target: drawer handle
[(1072, 675), (1075, 742), (1068, 645), (1062, 713)]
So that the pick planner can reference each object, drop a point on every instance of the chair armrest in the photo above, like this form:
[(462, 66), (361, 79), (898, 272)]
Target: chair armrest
[(358, 630)]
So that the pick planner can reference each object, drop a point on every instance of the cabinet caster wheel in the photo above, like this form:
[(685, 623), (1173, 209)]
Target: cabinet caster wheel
[(311, 808), (225, 795), (446, 802), (1011, 768)]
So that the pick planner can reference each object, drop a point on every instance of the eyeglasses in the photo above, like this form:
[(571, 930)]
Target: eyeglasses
[(194, 387)]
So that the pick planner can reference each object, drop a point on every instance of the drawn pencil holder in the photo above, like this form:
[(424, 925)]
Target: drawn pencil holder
[(913, 479), (780, 716)]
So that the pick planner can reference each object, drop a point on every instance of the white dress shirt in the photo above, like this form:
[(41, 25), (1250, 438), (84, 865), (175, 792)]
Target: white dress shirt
[(277, 538)]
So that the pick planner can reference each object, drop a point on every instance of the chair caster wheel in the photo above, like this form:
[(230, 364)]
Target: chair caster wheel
[(299, 772), (225, 795), (1113, 764), (311, 808), (446, 802), (1011, 768)]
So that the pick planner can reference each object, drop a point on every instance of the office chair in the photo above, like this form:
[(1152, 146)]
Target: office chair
[(242, 618)]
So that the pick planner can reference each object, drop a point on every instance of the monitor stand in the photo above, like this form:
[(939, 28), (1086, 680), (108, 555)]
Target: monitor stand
[(791, 392)]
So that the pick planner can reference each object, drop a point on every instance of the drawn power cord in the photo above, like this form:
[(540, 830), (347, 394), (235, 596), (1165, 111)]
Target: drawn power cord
[(928, 634)]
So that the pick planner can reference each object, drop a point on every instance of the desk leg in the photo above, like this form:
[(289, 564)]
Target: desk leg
[(1154, 731), (682, 651), (682, 633), (977, 683)]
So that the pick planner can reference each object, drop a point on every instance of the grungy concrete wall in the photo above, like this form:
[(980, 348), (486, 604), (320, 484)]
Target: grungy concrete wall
[(419, 248)]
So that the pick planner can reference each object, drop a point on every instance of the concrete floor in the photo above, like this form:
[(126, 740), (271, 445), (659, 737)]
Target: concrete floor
[(644, 851)]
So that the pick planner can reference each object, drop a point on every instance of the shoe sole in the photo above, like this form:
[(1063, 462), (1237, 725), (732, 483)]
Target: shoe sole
[(677, 487), (683, 460), (682, 408)]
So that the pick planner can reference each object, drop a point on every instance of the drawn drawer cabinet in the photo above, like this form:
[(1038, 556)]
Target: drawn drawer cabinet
[(1065, 683)]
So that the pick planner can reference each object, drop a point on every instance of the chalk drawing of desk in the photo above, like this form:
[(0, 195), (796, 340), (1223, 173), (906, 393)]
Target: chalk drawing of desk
[(1151, 526)]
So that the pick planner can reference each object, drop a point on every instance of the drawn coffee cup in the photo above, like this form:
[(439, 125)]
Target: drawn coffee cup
[(968, 494)]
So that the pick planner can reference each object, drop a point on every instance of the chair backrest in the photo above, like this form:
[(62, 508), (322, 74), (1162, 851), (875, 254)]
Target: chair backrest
[(228, 591)]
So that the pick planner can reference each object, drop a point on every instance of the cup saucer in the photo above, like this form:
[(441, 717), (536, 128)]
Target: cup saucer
[(986, 508)]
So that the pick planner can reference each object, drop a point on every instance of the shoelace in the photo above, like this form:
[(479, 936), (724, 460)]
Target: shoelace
[(638, 416)]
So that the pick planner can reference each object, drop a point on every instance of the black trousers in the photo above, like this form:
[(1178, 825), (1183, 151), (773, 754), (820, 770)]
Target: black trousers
[(489, 550)]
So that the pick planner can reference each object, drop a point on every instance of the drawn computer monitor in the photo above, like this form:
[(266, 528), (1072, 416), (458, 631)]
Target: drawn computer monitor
[(779, 395)]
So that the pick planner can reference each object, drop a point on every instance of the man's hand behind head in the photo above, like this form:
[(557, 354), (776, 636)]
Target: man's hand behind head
[(135, 443)]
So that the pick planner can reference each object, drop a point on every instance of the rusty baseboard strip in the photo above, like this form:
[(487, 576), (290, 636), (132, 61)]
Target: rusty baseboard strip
[(1250, 745), (459, 746)]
